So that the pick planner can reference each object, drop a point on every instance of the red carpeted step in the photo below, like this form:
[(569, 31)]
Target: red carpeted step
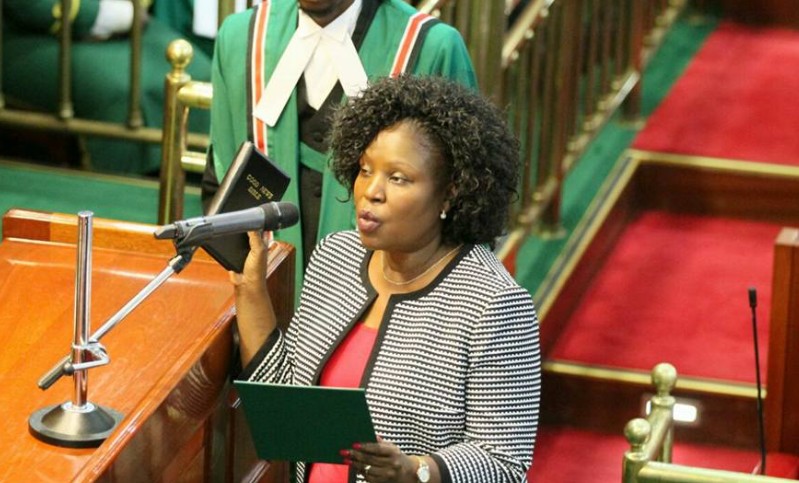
[(565, 455), (738, 99), (781, 465), (674, 288)]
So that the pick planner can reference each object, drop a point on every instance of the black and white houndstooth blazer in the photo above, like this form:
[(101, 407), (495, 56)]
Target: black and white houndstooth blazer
[(456, 369)]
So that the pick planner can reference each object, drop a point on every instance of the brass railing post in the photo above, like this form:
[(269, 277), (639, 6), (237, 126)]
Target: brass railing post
[(224, 8), (135, 119), (563, 50), (651, 438), (172, 176), (649, 458), (487, 19), (637, 432), (65, 107), (664, 378), (631, 107)]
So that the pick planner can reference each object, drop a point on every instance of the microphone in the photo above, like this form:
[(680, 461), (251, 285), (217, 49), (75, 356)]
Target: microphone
[(753, 306), (195, 231)]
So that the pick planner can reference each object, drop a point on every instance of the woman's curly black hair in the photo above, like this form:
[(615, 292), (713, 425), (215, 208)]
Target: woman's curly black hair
[(480, 154)]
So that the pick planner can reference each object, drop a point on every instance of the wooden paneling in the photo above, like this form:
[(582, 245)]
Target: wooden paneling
[(605, 406), (726, 191), (782, 403), (775, 12)]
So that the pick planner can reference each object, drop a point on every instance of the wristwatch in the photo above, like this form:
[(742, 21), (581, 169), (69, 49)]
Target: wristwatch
[(423, 471)]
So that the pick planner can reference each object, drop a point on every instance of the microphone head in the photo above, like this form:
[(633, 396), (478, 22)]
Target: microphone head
[(752, 297), (280, 214)]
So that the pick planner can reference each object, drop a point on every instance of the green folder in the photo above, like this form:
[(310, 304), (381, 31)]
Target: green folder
[(304, 423)]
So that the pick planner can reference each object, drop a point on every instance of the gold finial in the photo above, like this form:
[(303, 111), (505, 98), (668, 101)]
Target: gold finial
[(664, 377), (179, 54), (637, 433)]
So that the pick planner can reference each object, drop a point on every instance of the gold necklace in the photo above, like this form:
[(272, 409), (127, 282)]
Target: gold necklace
[(408, 282)]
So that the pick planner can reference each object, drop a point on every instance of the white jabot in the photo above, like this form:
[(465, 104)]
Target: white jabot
[(326, 55)]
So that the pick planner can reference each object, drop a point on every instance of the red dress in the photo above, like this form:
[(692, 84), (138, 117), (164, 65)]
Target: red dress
[(344, 369)]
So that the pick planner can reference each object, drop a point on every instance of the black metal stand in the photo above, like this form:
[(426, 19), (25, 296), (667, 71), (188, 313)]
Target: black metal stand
[(67, 425)]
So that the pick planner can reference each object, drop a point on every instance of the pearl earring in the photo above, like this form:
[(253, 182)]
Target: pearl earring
[(443, 215)]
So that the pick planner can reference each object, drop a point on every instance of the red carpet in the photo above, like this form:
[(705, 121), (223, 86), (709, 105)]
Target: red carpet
[(674, 289), (738, 99), (600, 457)]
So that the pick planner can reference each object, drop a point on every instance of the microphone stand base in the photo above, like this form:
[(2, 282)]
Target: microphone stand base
[(73, 427)]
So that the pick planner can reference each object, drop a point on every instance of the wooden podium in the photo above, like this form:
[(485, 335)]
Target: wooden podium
[(170, 358)]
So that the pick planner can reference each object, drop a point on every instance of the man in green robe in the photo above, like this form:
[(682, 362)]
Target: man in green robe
[(100, 72), (290, 122)]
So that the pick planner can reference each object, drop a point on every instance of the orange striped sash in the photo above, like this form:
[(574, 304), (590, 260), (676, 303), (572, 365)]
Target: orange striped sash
[(409, 42), (257, 71)]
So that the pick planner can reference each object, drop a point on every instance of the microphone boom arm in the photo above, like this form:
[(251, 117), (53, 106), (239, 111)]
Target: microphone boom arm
[(93, 347)]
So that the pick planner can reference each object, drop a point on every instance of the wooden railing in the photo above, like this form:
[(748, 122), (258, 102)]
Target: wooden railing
[(651, 440), (63, 119), (562, 70)]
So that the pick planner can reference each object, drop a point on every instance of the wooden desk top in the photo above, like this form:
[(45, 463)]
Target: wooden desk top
[(156, 352)]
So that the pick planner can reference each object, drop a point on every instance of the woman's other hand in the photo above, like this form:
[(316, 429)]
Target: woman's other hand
[(384, 462)]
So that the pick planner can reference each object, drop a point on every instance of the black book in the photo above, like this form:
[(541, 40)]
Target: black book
[(252, 180)]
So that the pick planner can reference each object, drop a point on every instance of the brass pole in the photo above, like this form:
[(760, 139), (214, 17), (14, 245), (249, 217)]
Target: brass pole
[(591, 97), (654, 472), (534, 118), (49, 122), (664, 378), (65, 110), (605, 57), (135, 119), (558, 54), (487, 18), (637, 432), (172, 177), (574, 34), (547, 100), (631, 107), (225, 8)]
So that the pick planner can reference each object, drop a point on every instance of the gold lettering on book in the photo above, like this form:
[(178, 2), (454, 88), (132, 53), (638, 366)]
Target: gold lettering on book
[(254, 192), (253, 181), (253, 189), (265, 191)]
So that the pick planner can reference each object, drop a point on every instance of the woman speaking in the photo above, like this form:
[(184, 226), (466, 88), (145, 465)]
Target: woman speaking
[(413, 306)]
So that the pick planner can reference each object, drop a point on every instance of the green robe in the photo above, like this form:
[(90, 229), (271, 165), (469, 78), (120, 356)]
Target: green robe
[(100, 75), (443, 52), (179, 14)]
